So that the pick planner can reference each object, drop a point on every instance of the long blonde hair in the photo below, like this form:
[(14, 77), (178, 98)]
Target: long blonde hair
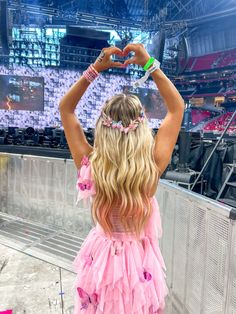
[(123, 166)]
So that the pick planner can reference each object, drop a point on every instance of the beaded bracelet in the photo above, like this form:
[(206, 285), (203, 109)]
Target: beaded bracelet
[(90, 74)]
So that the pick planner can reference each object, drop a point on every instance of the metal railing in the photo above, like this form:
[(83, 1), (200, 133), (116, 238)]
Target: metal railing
[(198, 241)]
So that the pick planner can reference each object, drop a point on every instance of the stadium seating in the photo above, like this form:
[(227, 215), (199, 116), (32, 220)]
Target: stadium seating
[(200, 115), (219, 124), (212, 61)]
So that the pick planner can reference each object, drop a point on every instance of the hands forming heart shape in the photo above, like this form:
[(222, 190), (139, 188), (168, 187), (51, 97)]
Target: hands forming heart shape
[(104, 61)]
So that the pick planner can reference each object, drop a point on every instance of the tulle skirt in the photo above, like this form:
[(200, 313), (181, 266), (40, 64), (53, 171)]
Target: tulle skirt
[(121, 275)]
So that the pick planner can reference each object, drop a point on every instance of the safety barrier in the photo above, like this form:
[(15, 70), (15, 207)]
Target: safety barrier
[(198, 241)]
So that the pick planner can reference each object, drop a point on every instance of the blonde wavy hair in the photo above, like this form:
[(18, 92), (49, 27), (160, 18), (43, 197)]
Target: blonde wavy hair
[(123, 167)]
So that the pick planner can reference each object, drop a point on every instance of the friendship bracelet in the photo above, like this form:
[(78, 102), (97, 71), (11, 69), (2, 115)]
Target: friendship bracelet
[(90, 74), (94, 70)]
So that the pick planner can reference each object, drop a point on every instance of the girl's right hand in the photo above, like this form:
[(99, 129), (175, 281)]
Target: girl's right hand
[(141, 56)]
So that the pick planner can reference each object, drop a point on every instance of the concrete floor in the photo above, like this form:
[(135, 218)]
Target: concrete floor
[(30, 285)]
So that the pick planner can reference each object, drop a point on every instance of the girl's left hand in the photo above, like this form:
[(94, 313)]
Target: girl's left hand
[(104, 61)]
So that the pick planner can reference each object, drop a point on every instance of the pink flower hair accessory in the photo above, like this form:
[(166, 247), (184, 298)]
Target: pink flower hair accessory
[(108, 122)]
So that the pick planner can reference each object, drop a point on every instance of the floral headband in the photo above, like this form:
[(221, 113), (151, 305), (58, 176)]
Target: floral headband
[(107, 121)]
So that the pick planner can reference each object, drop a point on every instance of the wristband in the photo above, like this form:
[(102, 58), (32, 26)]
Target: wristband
[(150, 62), (155, 66)]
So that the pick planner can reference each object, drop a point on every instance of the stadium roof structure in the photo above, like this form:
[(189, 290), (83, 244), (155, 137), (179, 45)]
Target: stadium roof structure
[(145, 15), (132, 20)]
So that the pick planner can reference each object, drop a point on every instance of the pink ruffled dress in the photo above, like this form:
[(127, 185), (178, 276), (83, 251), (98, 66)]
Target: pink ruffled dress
[(122, 275)]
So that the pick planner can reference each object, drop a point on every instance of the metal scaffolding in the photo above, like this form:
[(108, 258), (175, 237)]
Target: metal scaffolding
[(134, 14)]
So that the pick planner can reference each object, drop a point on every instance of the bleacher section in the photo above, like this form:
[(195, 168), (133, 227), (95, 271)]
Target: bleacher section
[(191, 87), (219, 124), (199, 115), (212, 61)]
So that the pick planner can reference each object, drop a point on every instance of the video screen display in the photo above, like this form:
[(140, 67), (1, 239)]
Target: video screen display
[(151, 100), (21, 93)]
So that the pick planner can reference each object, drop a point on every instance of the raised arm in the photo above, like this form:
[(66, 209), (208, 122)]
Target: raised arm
[(168, 131), (74, 133), (167, 134)]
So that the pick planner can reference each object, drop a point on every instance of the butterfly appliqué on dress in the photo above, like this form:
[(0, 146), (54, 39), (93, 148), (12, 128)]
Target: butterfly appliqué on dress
[(88, 259), (85, 184), (87, 299), (146, 276)]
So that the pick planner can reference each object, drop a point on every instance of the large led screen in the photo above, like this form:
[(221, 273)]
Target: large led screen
[(151, 100), (21, 93)]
